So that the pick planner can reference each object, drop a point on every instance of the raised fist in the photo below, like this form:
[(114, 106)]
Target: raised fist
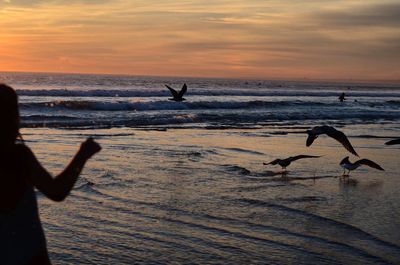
[(89, 148)]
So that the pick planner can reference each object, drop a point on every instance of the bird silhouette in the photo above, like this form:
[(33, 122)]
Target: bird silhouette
[(346, 164), (393, 142), (286, 162), (331, 132), (177, 96)]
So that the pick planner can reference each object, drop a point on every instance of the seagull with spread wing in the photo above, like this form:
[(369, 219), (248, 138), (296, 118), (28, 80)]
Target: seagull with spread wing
[(393, 142), (177, 96), (286, 162), (346, 164), (331, 132)]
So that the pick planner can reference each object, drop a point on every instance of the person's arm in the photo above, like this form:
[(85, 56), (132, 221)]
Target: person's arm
[(58, 188)]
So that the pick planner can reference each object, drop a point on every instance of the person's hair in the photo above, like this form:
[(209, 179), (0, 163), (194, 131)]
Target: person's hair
[(9, 115)]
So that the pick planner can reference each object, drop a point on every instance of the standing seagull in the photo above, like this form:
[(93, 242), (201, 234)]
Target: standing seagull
[(331, 132), (286, 162), (177, 96), (392, 142), (346, 164)]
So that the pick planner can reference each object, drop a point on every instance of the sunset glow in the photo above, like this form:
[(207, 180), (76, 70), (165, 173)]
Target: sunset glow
[(254, 38)]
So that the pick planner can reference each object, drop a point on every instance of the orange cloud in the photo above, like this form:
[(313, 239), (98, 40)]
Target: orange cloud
[(254, 38)]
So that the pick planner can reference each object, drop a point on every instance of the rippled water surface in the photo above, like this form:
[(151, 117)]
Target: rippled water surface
[(204, 197), (98, 101), (184, 183)]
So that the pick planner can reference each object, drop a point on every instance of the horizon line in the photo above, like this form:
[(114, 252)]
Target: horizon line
[(304, 79)]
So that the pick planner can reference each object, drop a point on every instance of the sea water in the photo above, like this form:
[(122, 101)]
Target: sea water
[(183, 182)]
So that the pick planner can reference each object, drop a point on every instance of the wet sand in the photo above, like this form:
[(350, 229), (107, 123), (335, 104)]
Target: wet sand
[(204, 197)]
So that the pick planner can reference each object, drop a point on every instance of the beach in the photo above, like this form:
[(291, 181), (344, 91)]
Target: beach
[(184, 182), (204, 197)]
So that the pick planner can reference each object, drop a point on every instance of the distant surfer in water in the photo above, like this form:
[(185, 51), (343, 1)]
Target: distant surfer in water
[(342, 97), (22, 240)]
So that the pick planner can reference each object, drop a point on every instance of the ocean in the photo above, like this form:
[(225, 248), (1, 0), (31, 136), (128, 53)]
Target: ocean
[(184, 183)]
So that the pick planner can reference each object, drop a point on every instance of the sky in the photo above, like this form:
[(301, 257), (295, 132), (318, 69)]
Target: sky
[(263, 39)]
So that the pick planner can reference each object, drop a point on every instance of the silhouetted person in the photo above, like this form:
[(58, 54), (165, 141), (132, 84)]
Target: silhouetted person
[(22, 240), (342, 97)]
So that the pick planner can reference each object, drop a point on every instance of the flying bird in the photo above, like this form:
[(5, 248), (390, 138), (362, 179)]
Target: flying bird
[(286, 162), (346, 164), (331, 132), (177, 96), (392, 142)]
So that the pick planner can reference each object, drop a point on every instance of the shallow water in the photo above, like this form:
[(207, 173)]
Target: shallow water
[(184, 182), (204, 197)]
